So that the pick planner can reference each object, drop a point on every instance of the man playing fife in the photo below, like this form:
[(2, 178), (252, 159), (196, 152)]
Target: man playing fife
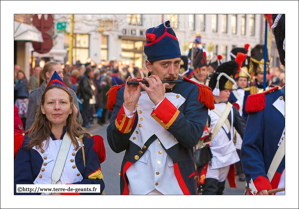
[(158, 125)]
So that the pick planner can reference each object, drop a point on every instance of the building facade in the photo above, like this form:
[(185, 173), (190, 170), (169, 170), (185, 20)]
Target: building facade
[(122, 37)]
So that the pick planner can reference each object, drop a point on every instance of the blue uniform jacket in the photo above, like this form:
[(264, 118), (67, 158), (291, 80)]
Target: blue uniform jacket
[(260, 143), (28, 164), (187, 128)]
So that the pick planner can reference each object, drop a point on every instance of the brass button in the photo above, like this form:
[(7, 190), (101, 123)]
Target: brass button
[(78, 174), (177, 96), (177, 106), (254, 192), (42, 151), (73, 166), (156, 183), (154, 114), (140, 125), (281, 98), (250, 190), (136, 132), (42, 169), (282, 138), (167, 127), (136, 157), (42, 144), (45, 164), (284, 133), (160, 152), (45, 158), (161, 121), (119, 174), (250, 182), (140, 152), (279, 143), (141, 119), (159, 162), (159, 142), (134, 138), (40, 176), (140, 111), (123, 115), (72, 160), (137, 105), (73, 154), (157, 173), (144, 147)]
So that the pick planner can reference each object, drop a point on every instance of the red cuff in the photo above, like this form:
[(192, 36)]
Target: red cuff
[(166, 113), (122, 123), (261, 183)]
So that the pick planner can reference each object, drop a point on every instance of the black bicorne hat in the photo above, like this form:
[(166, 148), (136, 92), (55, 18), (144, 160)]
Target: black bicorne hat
[(224, 77)]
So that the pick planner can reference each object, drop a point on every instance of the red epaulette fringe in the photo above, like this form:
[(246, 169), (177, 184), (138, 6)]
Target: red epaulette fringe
[(18, 141), (112, 96), (205, 94), (99, 147), (257, 102)]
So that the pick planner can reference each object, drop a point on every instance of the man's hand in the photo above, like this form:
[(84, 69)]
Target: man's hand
[(131, 94), (263, 192), (156, 89)]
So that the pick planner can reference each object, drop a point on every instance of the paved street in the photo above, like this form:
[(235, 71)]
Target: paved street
[(111, 167)]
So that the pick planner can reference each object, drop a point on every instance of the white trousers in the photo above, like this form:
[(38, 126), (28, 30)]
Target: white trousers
[(220, 173)]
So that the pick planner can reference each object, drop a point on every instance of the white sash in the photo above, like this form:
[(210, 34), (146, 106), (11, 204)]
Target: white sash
[(61, 158)]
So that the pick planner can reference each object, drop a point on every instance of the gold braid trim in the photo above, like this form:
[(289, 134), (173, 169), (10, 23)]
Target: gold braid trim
[(82, 145)]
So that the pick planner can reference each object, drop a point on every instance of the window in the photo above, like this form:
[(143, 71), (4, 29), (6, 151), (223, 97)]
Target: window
[(202, 23), (215, 50), (224, 53), (132, 51), (174, 21), (104, 48), (252, 25), (81, 47), (135, 20), (214, 23), (243, 25), (234, 24), (191, 22), (224, 23)]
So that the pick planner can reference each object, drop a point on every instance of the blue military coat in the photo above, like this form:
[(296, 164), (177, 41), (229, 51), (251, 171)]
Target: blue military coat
[(31, 165), (264, 131), (185, 122)]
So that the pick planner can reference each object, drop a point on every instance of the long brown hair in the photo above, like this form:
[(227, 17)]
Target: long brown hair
[(47, 68), (41, 128)]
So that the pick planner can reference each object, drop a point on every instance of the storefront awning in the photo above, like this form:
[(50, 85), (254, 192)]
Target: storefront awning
[(25, 32)]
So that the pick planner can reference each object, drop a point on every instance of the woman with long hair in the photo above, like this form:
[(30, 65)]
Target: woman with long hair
[(55, 133), (21, 89), (34, 97)]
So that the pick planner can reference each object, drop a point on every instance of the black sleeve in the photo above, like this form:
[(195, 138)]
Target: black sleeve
[(239, 123)]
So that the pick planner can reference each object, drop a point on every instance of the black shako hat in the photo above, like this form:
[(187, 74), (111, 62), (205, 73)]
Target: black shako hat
[(200, 59)]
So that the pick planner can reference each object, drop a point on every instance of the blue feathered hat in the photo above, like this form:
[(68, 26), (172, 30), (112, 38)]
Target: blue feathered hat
[(55, 79), (161, 43)]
